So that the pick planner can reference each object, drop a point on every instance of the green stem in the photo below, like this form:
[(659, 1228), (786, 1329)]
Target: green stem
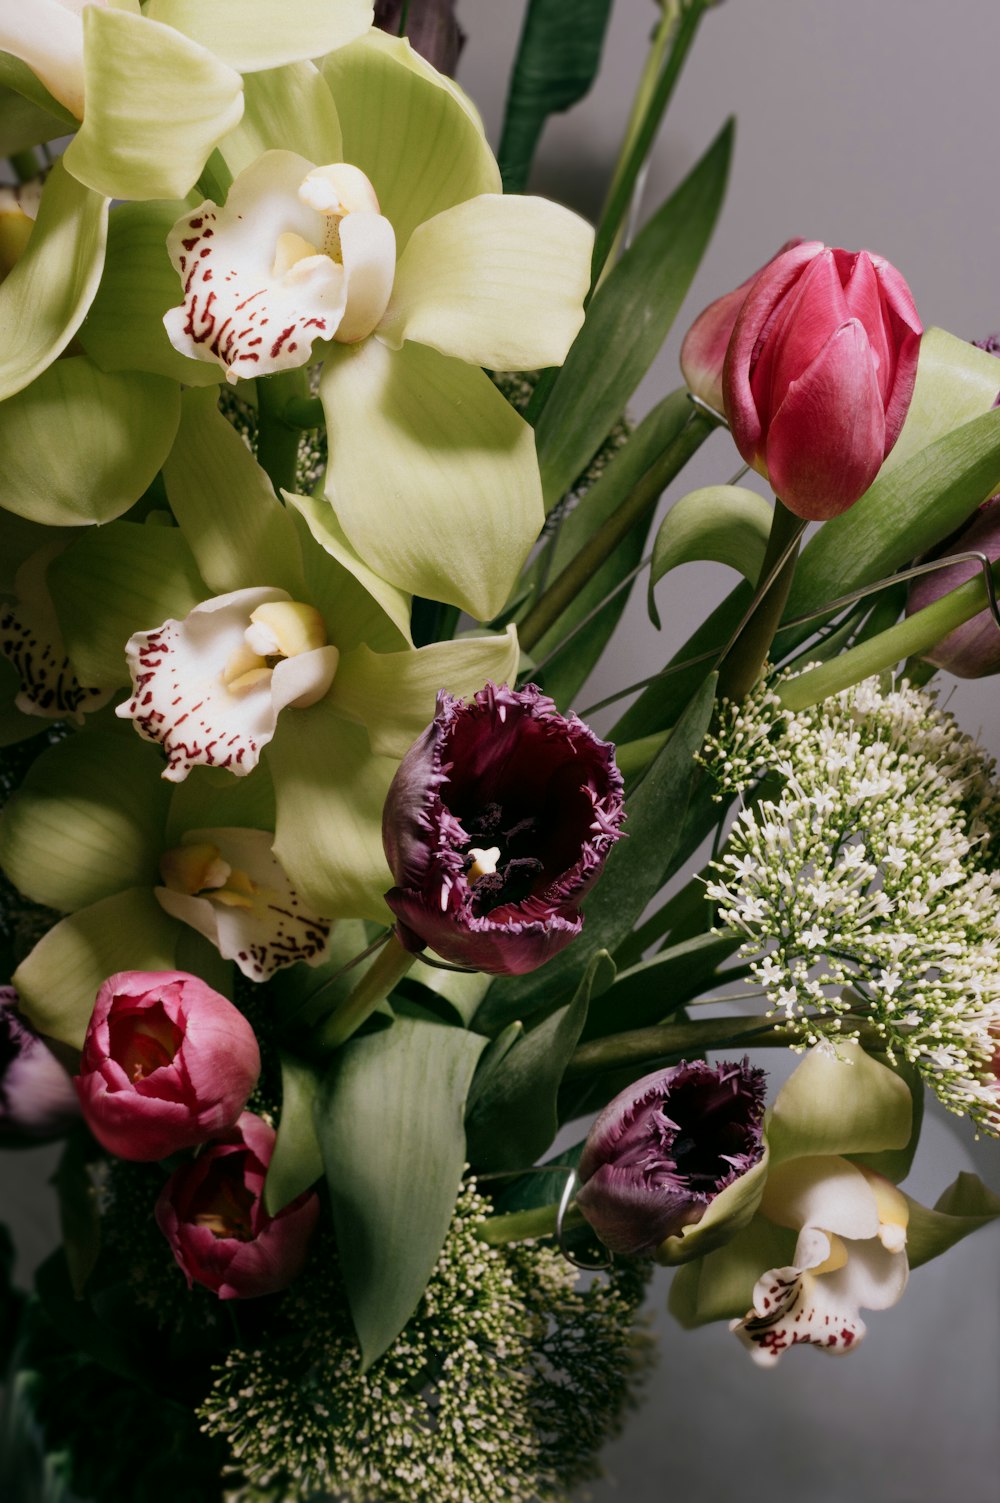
[(748, 648), (25, 164), (643, 1046), (304, 412), (389, 966), (278, 435), (641, 499), (519, 1226), (908, 638)]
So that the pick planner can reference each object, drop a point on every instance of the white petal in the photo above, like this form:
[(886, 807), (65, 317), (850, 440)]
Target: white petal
[(48, 36), (300, 681), (368, 246), (821, 1191)]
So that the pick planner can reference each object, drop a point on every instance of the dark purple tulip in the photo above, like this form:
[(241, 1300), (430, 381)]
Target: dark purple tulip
[(497, 823), (430, 26), (37, 1099), (664, 1148), (972, 650)]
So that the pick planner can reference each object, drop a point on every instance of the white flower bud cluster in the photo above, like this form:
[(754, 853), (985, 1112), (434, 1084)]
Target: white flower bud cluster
[(868, 889)]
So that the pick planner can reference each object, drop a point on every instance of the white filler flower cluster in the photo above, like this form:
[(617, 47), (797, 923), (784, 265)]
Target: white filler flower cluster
[(866, 887)]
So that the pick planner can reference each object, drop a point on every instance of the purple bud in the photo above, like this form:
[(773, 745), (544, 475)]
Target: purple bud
[(664, 1148), (972, 650), (430, 26), (37, 1099), (497, 823)]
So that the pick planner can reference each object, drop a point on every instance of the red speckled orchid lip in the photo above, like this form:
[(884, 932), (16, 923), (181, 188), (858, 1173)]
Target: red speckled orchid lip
[(285, 261), (31, 641), (180, 697), (250, 913), (496, 825)]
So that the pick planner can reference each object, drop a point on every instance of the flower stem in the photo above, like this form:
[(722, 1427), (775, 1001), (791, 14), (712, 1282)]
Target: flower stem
[(389, 966), (519, 1226), (277, 434), (643, 1046), (747, 650)]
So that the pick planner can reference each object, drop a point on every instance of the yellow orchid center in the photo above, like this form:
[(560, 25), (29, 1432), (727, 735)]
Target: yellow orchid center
[(279, 629), (333, 191), (892, 1207), (199, 871)]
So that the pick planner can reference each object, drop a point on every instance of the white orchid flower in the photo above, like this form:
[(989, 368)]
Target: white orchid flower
[(48, 36), (228, 884), (209, 689), (850, 1255)]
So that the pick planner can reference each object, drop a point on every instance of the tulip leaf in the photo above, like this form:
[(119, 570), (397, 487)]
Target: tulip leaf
[(839, 1100), (557, 60), (723, 524), (157, 105), (632, 877), (79, 1214), (955, 383), (729, 1213), (124, 328), (514, 1118), (966, 1205), (115, 432), (460, 993), (649, 991), (720, 1286), (297, 1161), (389, 1121), (254, 34), (627, 322), (290, 109), (534, 1190), (44, 299)]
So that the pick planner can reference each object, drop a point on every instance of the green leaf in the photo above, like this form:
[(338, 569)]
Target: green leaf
[(58, 982), (254, 34), (390, 1126), (432, 473), (462, 993), (728, 1214), (124, 328), (720, 1286), (24, 124), (156, 106), (79, 1215), (114, 433), (297, 1162), (535, 1190), (86, 822), (16, 75), (45, 297), (514, 1118), (648, 992), (627, 321), (557, 60), (955, 383), (631, 878), (966, 1205), (839, 1100), (290, 109), (725, 524)]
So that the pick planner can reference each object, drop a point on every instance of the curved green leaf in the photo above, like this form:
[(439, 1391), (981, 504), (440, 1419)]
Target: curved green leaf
[(648, 992), (24, 123), (297, 1161), (254, 34), (966, 1205), (18, 77), (726, 524), (287, 108), (115, 431), (955, 383)]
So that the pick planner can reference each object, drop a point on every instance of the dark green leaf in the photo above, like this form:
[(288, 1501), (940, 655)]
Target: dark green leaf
[(537, 1189), (491, 1061), (390, 1125), (79, 1217), (557, 59), (297, 1161), (655, 988)]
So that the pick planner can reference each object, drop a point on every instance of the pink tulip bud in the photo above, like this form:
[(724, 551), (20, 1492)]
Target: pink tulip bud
[(167, 1063), (212, 1213), (819, 374), (972, 650)]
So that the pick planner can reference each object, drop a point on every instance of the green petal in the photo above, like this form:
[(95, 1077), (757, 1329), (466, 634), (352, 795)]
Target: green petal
[(58, 982), (124, 329), (24, 124), (87, 821), (839, 1100), (410, 129), (394, 694), (965, 1205), (432, 473), (720, 1286), (728, 1214), (288, 108), (955, 383), (254, 34), (156, 106), (18, 77), (239, 532), (330, 791), (114, 431), (140, 574), (45, 298), (496, 281), (210, 798), (357, 604)]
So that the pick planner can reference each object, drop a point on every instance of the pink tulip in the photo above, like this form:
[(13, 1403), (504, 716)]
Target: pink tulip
[(212, 1213), (819, 374), (167, 1063)]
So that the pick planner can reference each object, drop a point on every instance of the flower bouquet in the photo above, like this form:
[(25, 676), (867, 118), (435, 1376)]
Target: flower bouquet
[(371, 993)]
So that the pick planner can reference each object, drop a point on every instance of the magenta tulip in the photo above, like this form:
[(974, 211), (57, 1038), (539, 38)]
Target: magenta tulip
[(663, 1149), (212, 1213), (819, 374), (497, 823), (167, 1063), (37, 1099), (972, 650)]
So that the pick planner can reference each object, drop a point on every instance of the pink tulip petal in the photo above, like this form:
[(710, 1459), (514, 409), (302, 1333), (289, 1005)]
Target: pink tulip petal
[(865, 301)]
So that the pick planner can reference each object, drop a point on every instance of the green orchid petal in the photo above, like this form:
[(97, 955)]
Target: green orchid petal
[(729, 1213), (211, 798), (45, 298), (117, 428), (289, 108), (58, 982), (496, 281), (138, 575), (357, 604), (955, 383), (254, 34), (20, 537), (330, 791), (124, 328), (966, 1205), (720, 1286), (432, 473), (240, 534), (86, 822), (839, 1100), (24, 124), (409, 129), (394, 694), (157, 105)]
